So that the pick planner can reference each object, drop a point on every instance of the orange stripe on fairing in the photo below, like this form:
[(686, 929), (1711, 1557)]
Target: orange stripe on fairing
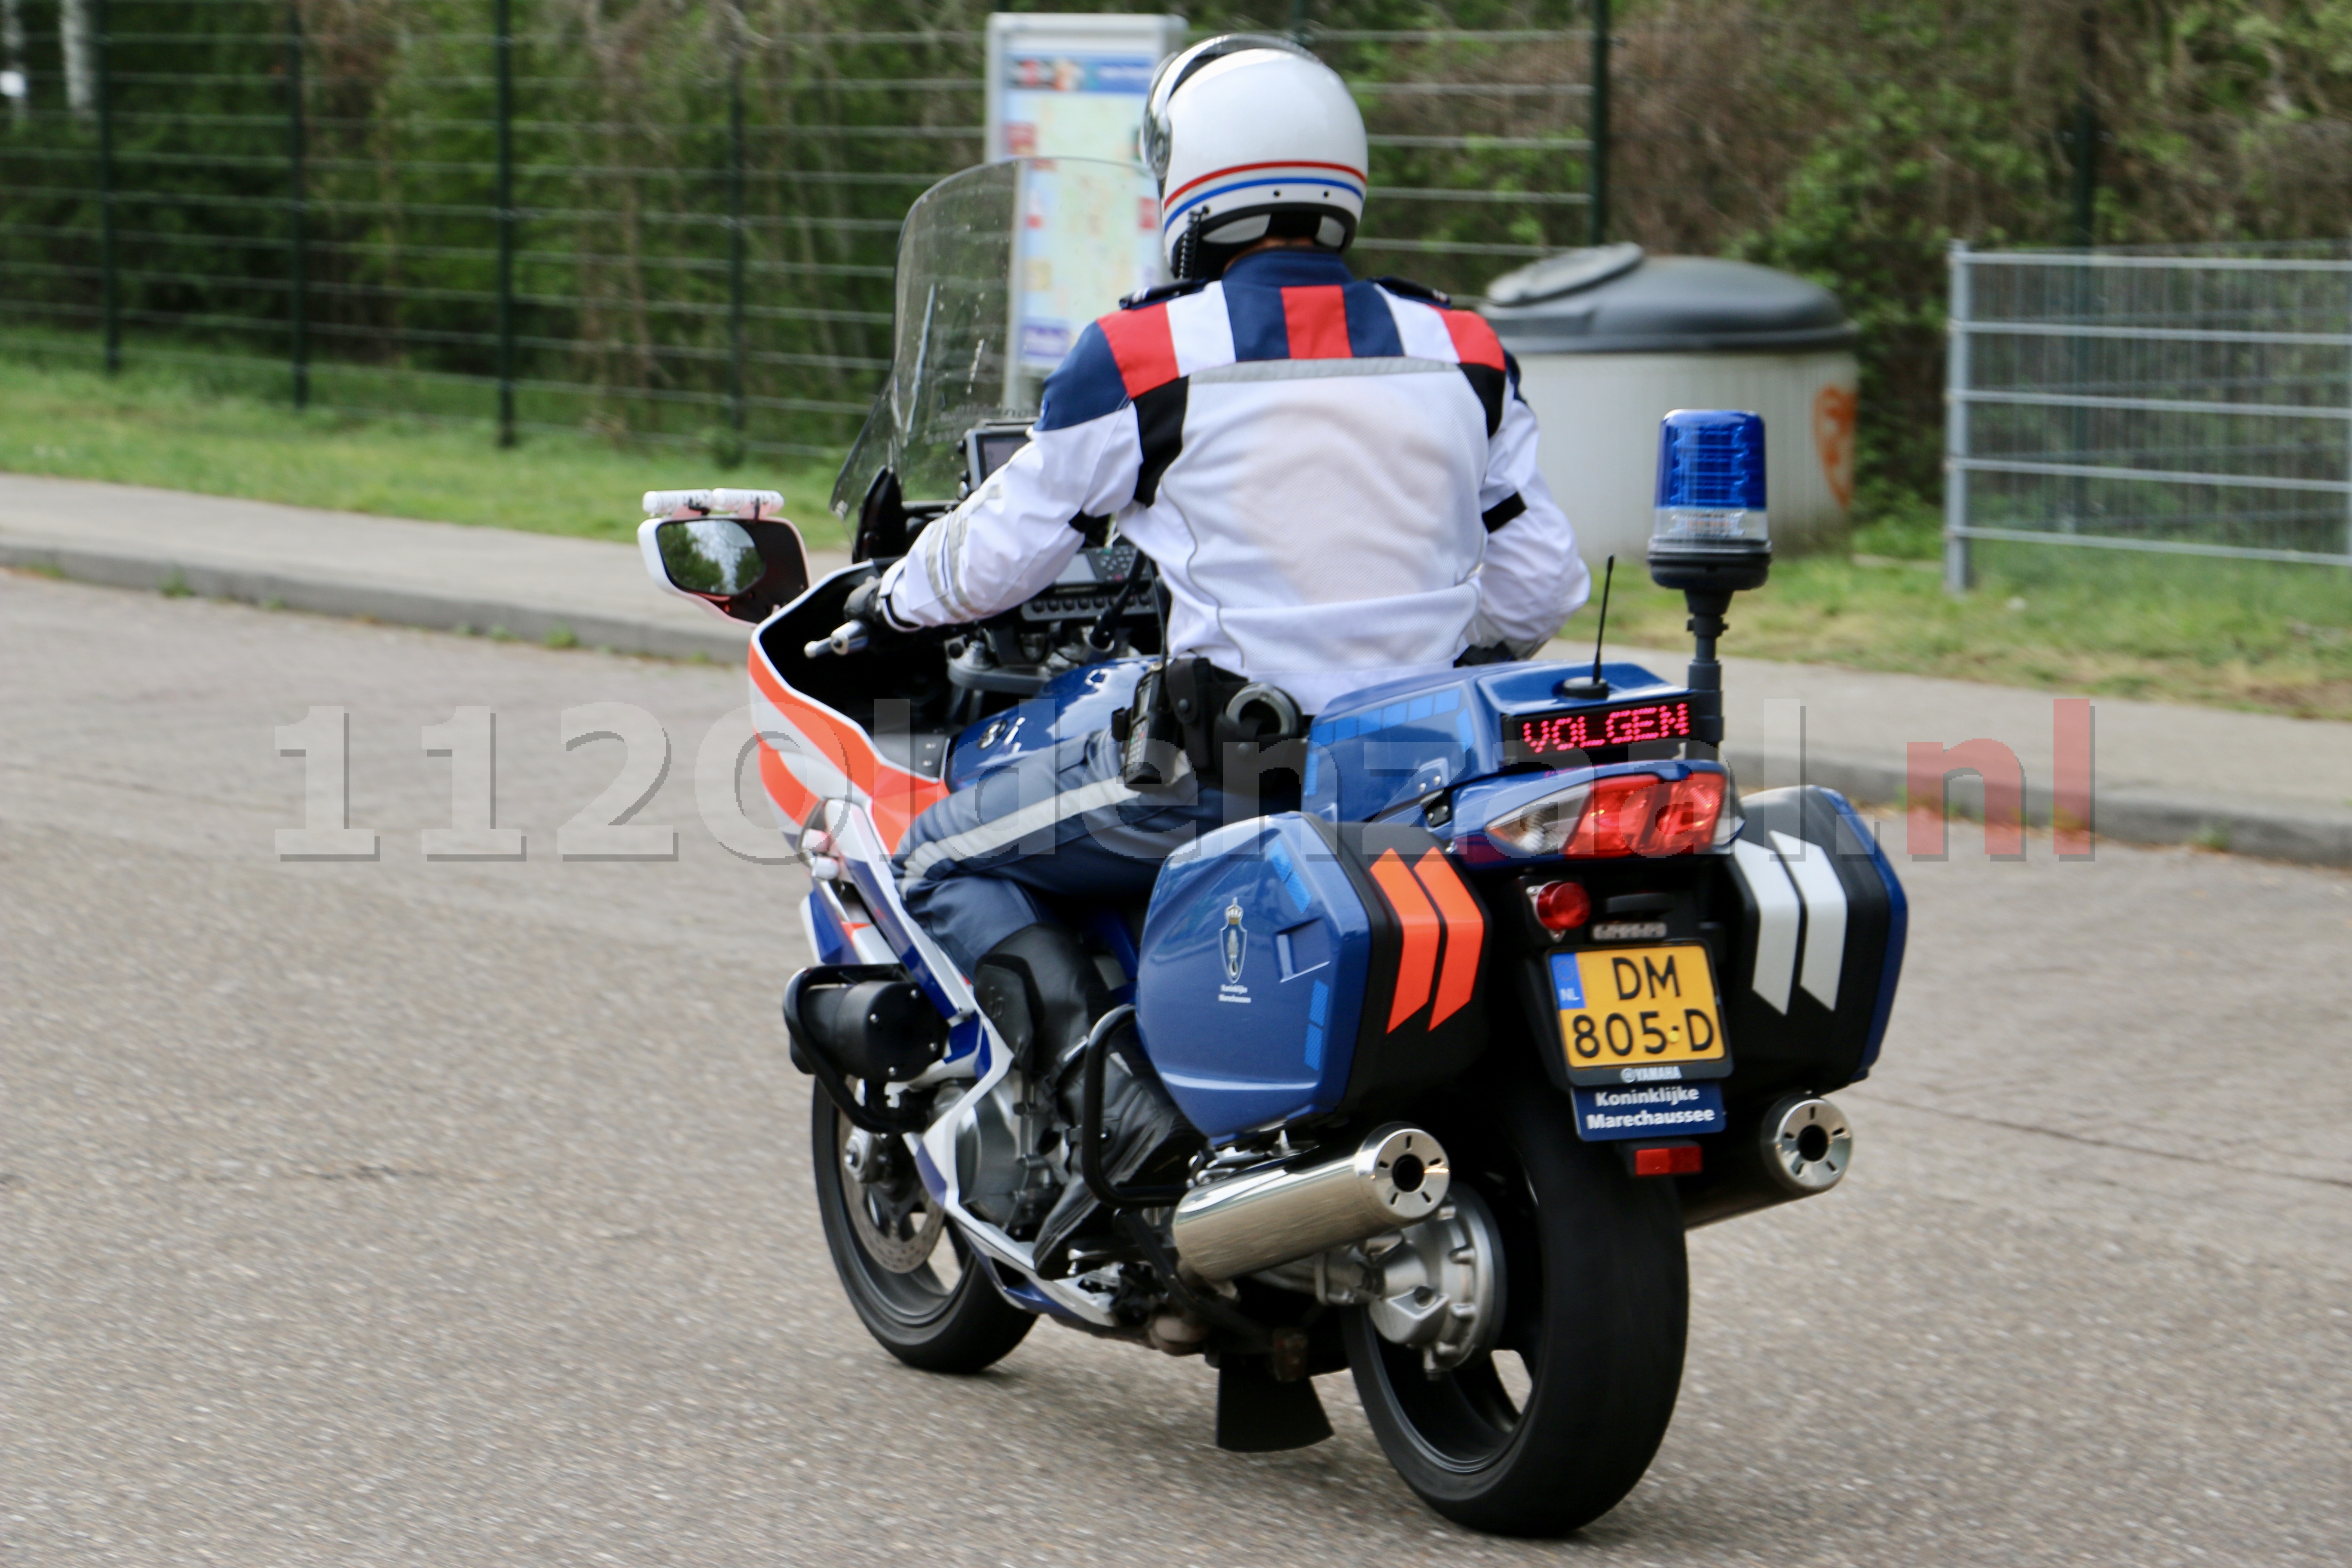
[(1466, 934), (1417, 966), (793, 798), (895, 797)]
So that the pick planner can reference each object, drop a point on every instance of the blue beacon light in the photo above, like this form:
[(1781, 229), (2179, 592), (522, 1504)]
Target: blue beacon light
[(1710, 537), (1711, 529)]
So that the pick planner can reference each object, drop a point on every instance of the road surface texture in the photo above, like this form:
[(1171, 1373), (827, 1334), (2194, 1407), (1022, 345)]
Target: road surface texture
[(433, 1212)]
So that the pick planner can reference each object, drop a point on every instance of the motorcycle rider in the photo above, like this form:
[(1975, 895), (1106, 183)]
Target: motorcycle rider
[(1335, 479)]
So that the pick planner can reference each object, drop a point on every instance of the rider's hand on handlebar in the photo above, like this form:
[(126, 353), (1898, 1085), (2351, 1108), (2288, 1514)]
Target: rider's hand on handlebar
[(865, 624), (865, 603)]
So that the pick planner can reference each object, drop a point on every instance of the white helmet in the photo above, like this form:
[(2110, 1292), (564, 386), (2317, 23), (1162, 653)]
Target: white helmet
[(1250, 135)]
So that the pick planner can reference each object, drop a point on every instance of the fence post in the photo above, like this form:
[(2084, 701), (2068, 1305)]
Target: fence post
[(111, 283), (1956, 577), (1596, 160), (505, 48), (735, 238), (297, 213), (2086, 174), (2086, 135)]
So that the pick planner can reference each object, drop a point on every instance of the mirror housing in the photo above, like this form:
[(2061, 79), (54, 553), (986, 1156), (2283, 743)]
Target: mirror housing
[(882, 533), (729, 550)]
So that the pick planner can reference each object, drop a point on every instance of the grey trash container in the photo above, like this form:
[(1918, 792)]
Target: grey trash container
[(1609, 339)]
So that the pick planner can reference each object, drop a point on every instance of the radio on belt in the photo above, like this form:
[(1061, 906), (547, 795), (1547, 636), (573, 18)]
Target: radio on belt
[(1709, 537)]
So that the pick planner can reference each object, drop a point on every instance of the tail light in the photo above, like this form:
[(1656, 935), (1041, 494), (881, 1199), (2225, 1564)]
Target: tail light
[(1625, 813), (1685, 823), (1543, 827), (1616, 817)]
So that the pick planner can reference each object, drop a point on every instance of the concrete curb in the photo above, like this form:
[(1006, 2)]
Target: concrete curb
[(398, 607), (2133, 813)]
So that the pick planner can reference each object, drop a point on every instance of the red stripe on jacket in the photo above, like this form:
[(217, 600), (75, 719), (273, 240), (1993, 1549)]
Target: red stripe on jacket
[(1317, 317), (1475, 342), (1142, 344)]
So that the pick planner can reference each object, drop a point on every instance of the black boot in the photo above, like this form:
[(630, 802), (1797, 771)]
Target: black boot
[(1042, 992), (1146, 1141)]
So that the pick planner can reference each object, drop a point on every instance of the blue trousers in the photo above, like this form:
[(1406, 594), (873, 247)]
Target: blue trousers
[(1057, 824)]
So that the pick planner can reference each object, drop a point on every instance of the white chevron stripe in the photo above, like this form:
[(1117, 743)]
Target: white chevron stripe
[(818, 772), (1817, 881), (1777, 913)]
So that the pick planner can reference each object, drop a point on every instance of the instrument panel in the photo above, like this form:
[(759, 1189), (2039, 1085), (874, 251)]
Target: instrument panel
[(1087, 585)]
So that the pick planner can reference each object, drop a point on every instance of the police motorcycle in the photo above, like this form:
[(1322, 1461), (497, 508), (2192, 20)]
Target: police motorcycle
[(1423, 1079)]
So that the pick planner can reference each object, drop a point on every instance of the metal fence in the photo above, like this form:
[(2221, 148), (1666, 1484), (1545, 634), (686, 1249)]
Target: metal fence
[(2189, 400), (684, 238)]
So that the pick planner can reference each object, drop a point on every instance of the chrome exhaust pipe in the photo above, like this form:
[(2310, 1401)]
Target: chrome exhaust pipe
[(1396, 1177), (1808, 1146), (1800, 1148)]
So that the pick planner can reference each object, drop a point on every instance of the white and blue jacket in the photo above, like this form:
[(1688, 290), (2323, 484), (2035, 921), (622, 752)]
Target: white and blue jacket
[(1336, 478)]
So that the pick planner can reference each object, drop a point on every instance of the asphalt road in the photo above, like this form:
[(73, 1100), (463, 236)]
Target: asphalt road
[(402, 1211)]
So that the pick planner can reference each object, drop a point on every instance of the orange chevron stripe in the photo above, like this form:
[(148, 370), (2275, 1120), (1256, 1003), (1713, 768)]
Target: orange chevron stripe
[(1417, 966), (1466, 934)]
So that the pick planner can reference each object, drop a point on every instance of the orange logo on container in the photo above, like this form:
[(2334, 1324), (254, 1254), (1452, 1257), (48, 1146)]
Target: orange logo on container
[(1833, 415)]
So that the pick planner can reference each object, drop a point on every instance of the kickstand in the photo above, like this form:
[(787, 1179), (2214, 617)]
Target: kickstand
[(1257, 1415)]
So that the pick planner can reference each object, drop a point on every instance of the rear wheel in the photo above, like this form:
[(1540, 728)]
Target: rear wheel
[(912, 1278), (1549, 1429)]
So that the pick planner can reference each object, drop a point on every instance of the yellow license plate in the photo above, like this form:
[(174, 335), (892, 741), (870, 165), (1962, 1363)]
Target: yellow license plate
[(1627, 1014)]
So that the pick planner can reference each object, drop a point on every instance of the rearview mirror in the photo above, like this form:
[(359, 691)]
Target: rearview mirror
[(744, 568), (712, 556)]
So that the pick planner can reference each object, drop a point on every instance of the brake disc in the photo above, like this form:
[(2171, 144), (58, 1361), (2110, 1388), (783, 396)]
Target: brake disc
[(896, 1222), (1439, 1283)]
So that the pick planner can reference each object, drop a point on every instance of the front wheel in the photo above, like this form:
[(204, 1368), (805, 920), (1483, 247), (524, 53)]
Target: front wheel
[(913, 1280), (1546, 1431)]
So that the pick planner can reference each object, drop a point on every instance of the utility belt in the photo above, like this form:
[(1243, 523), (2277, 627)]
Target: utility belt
[(1185, 715)]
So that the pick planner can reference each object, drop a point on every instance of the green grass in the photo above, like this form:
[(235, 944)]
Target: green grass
[(2230, 634), (164, 427), (2227, 633)]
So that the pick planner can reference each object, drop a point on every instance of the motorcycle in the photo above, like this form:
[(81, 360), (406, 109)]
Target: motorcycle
[(1423, 1081)]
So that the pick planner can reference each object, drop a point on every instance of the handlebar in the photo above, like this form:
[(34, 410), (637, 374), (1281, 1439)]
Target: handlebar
[(850, 637)]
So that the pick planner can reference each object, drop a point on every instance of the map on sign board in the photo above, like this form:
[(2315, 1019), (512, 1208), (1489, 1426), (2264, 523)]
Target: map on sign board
[(1061, 105), (1063, 89), (1088, 237)]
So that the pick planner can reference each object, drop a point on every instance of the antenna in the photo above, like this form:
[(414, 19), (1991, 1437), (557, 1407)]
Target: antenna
[(1594, 686)]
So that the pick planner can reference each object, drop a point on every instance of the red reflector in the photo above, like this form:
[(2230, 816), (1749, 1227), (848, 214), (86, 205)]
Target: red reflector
[(1670, 1160), (1685, 824), (1562, 906)]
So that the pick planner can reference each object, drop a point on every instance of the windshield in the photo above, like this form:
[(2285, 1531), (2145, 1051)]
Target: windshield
[(1000, 268)]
